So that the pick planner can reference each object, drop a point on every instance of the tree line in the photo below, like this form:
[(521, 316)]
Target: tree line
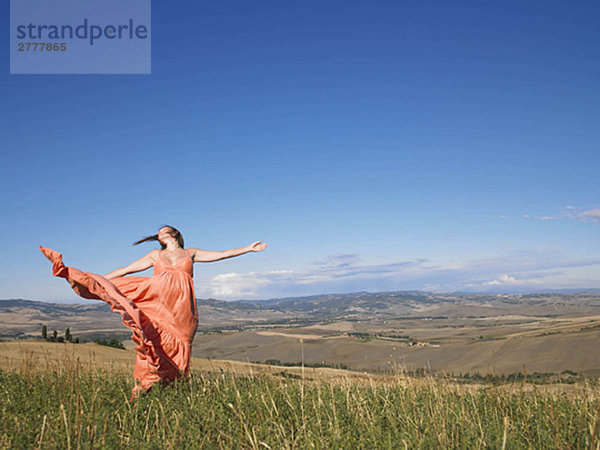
[(68, 337)]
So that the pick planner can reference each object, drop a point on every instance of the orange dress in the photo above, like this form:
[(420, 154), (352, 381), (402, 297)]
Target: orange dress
[(160, 310)]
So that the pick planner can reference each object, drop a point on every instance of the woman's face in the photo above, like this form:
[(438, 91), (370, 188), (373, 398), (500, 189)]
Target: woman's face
[(164, 233)]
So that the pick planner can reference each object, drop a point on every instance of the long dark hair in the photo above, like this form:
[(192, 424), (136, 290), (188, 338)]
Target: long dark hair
[(174, 232)]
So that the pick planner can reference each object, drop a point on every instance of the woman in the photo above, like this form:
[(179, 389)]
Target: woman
[(160, 310)]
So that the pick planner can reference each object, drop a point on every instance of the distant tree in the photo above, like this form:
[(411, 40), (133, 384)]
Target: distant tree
[(112, 342), (44, 332), (68, 336), (55, 336), (273, 362), (116, 343), (76, 341)]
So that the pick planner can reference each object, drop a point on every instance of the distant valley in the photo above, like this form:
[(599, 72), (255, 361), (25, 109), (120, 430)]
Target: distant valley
[(376, 332)]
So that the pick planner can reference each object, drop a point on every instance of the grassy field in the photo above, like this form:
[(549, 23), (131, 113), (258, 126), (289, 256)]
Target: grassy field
[(65, 403)]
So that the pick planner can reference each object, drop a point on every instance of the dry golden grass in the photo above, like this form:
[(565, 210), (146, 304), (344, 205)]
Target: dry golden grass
[(43, 355), (29, 357), (66, 404), (39, 355)]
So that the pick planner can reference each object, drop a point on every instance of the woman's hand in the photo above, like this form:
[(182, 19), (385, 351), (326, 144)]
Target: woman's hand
[(257, 246)]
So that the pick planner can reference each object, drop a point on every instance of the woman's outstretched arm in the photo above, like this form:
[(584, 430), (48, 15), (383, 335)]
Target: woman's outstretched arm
[(208, 255), (145, 262)]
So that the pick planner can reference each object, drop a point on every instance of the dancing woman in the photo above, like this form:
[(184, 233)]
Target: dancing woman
[(160, 310)]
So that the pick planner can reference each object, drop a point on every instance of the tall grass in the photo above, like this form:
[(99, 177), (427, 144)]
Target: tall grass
[(73, 408)]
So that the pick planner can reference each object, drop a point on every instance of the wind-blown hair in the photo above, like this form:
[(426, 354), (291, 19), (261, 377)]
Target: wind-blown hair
[(174, 232)]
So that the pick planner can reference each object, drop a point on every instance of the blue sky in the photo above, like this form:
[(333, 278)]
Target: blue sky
[(374, 146)]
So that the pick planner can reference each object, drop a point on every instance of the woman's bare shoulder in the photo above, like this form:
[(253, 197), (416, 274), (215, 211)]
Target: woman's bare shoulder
[(153, 254), (193, 252)]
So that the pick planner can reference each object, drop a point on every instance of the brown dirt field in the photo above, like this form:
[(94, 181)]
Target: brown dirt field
[(289, 335), (576, 351)]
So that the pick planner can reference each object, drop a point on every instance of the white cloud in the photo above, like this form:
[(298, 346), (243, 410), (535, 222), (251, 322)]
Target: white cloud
[(590, 214), (237, 285), (571, 212), (345, 273), (506, 280)]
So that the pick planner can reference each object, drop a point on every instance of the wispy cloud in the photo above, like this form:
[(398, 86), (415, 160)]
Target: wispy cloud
[(347, 273), (571, 212), (506, 280), (339, 260), (590, 214)]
